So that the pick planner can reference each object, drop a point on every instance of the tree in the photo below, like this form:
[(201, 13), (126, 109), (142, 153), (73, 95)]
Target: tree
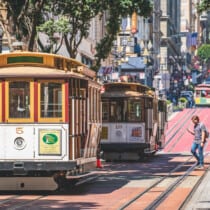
[(54, 29), (79, 13), (3, 23), (204, 5), (70, 19), (24, 15), (204, 53), (118, 9)]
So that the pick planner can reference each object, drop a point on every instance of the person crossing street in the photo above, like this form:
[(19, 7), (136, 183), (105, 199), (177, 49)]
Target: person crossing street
[(199, 140)]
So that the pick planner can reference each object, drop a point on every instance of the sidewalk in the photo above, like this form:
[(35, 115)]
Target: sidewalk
[(172, 115), (201, 198)]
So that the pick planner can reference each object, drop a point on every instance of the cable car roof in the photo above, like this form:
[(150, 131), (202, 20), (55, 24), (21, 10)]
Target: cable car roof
[(45, 61), (125, 89), (123, 94), (36, 72)]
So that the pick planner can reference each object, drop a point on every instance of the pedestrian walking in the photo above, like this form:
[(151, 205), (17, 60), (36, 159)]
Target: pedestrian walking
[(199, 140)]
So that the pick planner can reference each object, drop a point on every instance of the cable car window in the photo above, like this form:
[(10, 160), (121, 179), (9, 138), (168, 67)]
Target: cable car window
[(105, 111), (148, 103), (51, 99), (116, 111), (122, 111), (113, 111), (160, 106), (203, 93), (197, 93), (125, 112), (155, 109), (119, 110), (134, 111), (113, 105), (19, 99)]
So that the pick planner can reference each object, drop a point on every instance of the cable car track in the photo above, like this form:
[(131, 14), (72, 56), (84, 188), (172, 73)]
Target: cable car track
[(187, 200), (161, 198), (8, 199), (151, 176), (183, 119), (15, 202), (181, 131), (179, 125), (121, 176)]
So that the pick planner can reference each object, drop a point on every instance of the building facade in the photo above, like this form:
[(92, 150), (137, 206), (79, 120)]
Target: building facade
[(159, 51)]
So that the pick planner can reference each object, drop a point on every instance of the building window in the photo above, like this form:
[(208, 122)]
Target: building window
[(87, 61)]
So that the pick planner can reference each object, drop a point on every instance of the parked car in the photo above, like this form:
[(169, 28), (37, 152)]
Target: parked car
[(187, 93), (206, 81)]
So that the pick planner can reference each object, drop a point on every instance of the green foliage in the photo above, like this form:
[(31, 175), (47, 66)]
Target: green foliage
[(143, 7), (182, 100), (204, 5), (204, 52), (80, 13), (48, 27), (54, 29), (23, 17), (62, 25), (78, 16), (118, 9), (71, 19), (177, 108), (52, 26), (182, 103)]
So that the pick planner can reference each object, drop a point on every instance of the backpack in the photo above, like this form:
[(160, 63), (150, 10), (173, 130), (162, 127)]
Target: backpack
[(206, 133)]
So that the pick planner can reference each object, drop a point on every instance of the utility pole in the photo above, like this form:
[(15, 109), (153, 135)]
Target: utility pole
[(156, 27), (1, 38), (156, 42)]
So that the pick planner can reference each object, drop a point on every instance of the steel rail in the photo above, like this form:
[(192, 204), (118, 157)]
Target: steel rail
[(131, 201)]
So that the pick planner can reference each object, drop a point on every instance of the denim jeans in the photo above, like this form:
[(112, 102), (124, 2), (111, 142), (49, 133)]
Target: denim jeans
[(198, 155)]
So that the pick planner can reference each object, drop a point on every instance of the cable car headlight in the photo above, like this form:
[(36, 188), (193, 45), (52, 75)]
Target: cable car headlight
[(19, 143)]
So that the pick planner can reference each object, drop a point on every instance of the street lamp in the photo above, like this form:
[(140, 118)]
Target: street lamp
[(1, 38)]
